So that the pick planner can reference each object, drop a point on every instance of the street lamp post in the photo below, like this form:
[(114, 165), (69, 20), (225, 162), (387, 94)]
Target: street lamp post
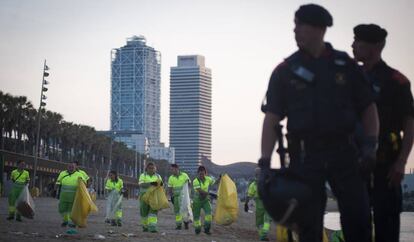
[(113, 133), (42, 104), (110, 156), (135, 173), (139, 165)]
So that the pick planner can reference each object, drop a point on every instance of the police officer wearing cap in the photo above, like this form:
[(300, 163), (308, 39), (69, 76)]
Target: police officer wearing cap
[(395, 109), (323, 93)]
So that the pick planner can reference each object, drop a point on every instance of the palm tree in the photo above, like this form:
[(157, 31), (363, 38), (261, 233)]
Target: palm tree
[(28, 127), (7, 114), (3, 109), (50, 132), (21, 111), (60, 140), (68, 139)]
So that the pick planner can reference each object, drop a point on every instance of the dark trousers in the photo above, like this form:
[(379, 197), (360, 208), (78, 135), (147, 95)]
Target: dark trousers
[(338, 166), (386, 202)]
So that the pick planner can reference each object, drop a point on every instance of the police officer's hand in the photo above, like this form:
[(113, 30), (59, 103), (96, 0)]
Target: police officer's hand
[(265, 172), (396, 174), (264, 163), (246, 207), (368, 154), (154, 183)]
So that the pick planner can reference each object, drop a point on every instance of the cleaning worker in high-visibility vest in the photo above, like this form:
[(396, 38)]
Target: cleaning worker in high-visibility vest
[(67, 183), (148, 215), (263, 219), (20, 177), (201, 185), (115, 183), (175, 185)]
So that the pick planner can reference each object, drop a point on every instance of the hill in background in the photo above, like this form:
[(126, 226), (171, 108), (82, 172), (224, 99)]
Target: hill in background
[(236, 170)]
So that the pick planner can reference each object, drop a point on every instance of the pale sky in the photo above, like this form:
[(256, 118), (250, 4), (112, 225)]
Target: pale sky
[(242, 42)]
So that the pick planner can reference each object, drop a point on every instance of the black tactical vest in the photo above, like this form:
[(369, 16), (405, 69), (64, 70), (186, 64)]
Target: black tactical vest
[(319, 95)]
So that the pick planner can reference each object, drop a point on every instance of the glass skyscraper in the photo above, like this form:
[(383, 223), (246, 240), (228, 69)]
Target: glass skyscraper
[(135, 92), (190, 112)]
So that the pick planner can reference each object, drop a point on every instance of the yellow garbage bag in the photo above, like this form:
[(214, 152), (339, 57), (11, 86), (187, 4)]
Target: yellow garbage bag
[(325, 236), (227, 209), (93, 196), (155, 197), (282, 235), (82, 205)]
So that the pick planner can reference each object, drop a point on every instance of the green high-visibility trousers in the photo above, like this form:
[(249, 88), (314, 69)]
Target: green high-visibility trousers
[(204, 204), (149, 218)]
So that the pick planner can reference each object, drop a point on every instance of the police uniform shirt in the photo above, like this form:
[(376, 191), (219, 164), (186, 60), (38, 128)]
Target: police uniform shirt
[(320, 96), (393, 96), (394, 102)]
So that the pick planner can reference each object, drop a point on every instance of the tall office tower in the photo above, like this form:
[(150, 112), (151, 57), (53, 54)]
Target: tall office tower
[(190, 111), (135, 92)]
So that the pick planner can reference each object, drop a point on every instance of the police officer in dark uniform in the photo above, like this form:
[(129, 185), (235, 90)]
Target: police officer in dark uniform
[(395, 109), (323, 93)]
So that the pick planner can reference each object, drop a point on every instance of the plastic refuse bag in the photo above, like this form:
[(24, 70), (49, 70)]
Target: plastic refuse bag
[(113, 204), (185, 207), (82, 205), (92, 193), (337, 236), (35, 192), (227, 209), (156, 198), (25, 204), (282, 235)]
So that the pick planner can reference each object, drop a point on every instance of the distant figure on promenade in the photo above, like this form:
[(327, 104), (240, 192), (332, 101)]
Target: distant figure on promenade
[(20, 177), (175, 185), (263, 219), (323, 94), (395, 109)]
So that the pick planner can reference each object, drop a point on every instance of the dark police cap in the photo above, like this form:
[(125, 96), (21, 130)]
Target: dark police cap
[(370, 33), (314, 15)]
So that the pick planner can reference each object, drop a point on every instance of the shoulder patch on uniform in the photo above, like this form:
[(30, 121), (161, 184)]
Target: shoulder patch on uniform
[(341, 54), (341, 58), (398, 76)]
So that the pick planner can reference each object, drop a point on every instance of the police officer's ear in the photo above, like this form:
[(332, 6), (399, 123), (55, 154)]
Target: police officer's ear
[(324, 30), (380, 46)]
